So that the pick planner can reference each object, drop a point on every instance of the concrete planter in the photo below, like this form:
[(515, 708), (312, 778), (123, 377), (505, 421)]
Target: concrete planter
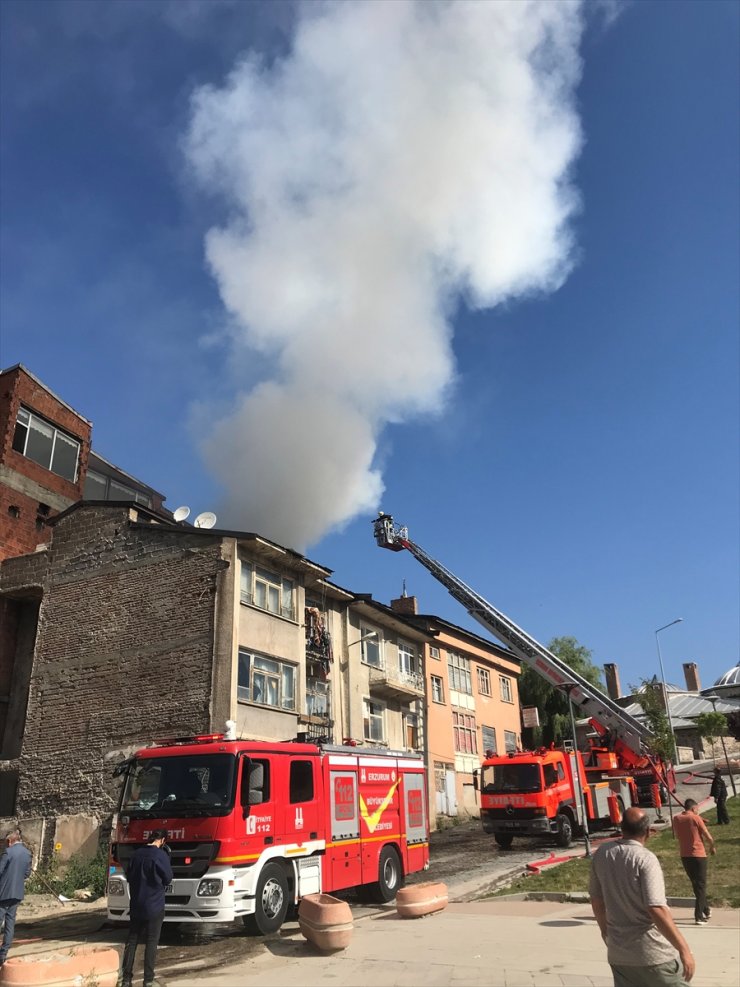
[(81, 965), (325, 921), (418, 900)]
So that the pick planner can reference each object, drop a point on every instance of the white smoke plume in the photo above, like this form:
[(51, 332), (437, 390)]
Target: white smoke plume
[(401, 156)]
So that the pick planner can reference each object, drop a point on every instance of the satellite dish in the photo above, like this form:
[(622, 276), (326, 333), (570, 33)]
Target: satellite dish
[(205, 520), (181, 513)]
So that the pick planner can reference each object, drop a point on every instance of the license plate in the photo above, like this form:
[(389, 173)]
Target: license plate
[(168, 889)]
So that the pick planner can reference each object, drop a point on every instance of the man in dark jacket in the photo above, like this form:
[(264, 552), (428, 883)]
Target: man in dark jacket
[(718, 792), (15, 867), (148, 873)]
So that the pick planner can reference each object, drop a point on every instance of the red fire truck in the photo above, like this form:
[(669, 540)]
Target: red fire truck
[(253, 826), (552, 792), (547, 792)]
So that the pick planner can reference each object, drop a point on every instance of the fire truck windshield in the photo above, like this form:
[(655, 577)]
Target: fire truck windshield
[(186, 785), (511, 777)]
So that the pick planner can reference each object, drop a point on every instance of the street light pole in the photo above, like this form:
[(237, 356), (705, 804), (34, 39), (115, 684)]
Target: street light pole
[(714, 700), (667, 704), (568, 687)]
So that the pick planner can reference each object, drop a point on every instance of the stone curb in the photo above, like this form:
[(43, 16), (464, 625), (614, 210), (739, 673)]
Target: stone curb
[(575, 897)]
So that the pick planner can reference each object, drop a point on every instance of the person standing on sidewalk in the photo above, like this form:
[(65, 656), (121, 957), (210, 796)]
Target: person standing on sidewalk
[(692, 834), (628, 900), (15, 868), (718, 792), (148, 873)]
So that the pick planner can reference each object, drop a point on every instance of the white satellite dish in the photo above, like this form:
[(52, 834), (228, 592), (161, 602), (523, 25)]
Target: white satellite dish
[(181, 513), (205, 520)]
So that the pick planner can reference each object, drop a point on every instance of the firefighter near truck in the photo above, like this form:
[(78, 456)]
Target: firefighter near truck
[(552, 792), (254, 826)]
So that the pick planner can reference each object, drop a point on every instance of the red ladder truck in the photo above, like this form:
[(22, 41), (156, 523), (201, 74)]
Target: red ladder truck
[(551, 792), (254, 826)]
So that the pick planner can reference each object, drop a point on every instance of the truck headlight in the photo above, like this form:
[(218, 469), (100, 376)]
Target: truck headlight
[(116, 887), (209, 888)]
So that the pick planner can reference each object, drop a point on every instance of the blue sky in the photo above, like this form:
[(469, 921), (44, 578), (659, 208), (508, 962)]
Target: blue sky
[(583, 471)]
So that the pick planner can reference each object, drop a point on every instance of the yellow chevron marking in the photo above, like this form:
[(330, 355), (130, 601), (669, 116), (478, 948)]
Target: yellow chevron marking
[(373, 819)]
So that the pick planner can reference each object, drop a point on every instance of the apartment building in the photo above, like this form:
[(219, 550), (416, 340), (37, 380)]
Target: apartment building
[(385, 688), (472, 708)]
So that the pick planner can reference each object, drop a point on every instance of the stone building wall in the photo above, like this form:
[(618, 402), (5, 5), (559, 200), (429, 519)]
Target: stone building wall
[(124, 654)]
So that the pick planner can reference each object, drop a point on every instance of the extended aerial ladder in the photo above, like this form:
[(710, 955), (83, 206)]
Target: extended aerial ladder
[(626, 735)]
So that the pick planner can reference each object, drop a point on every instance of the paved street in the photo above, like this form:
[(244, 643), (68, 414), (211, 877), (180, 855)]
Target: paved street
[(499, 943)]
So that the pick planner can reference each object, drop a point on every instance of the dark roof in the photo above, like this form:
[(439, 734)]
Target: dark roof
[(463, 632), (164, 522), (388, 613)]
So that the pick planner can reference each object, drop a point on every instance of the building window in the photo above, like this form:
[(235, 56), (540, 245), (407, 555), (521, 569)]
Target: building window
[(46, 445), (317, 697), (466, 738), (550, 774), (406, 658), (266, 681), (484, 681), (459, 669), (488, 736), (100, 487), (509, 741), (434, 652), (267, 590), (373, 721), (411, 729), (438, 689), (505, 686), (301, 781), (372, 653)]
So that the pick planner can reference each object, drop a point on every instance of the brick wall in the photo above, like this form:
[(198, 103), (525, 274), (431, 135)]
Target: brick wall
[(22, 529), (24, 484), (123, 654)]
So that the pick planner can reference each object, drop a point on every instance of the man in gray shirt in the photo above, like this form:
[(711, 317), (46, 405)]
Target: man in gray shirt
[(628, 899)]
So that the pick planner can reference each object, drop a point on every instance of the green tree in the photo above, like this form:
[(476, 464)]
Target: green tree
[(649, 694), (733, 724), (552, 703), (711, 726)]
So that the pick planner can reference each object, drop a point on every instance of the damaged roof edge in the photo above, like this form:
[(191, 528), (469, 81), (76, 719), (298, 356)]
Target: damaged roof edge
[(165, 523)]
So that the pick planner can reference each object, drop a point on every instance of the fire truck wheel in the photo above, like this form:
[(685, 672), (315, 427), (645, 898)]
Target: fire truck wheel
[(271, 902), (390, 876), (564, 836), (504, 840)]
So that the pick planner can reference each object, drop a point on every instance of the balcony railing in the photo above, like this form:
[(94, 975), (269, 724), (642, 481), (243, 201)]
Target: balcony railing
[(397, 682)]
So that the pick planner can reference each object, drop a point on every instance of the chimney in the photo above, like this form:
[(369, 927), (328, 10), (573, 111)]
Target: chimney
[(613, 686), (405, 604), (691, 674)]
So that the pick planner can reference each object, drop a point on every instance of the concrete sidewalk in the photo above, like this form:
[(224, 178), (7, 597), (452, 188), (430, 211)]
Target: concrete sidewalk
[(501, 943)]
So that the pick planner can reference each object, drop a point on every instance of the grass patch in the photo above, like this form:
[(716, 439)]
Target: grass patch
[(723, 881), (78, 873)]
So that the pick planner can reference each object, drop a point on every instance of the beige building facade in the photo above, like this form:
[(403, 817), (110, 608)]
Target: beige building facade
[(472, 708)]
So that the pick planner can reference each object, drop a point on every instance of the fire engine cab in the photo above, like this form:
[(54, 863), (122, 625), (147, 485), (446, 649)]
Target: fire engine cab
[(253, 826)]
